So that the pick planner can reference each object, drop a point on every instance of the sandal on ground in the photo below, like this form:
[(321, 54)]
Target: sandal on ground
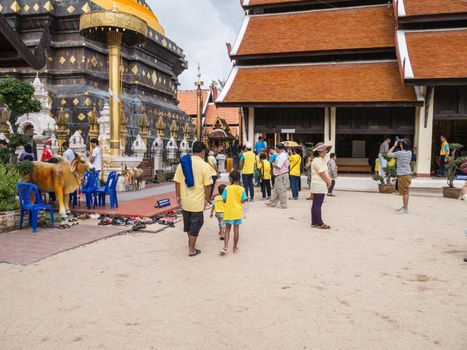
[(138, 226), (197, 252), (324, 227), (105, 221)]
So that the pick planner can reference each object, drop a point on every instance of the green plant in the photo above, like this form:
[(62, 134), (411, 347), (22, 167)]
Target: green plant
[(9, 178), (454, 162), (390, 172), (19, 97), (25, 167)]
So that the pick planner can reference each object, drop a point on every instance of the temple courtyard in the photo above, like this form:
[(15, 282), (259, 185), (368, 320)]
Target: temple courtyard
[(375, 281)]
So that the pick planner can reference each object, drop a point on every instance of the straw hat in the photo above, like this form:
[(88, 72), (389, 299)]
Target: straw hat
[(320, 146)]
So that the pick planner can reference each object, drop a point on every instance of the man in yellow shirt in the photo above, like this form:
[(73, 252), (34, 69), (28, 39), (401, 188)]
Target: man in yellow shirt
[(444, 152), (248, 165), (295, 173), (193, 199)]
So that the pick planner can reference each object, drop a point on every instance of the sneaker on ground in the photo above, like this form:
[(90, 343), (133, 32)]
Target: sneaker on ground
[(402, 211)]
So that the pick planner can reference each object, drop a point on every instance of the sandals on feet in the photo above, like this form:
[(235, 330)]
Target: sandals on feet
[(223, 251), (197, 252), (324, 227)]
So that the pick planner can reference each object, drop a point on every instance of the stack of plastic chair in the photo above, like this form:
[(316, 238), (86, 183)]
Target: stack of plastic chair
[(89, 189), (25, 190), (110, 189)]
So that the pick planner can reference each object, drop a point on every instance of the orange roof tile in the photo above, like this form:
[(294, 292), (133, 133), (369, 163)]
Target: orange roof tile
[(188, 101), (231, 115), (350, 83), (433, 7), (438, 54), (324, 30), (252, 3)]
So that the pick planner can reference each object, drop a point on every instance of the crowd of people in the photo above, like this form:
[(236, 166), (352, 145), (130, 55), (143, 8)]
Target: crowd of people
[(274, 170)]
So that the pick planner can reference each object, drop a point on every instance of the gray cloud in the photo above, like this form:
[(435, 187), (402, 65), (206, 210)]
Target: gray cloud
[(201, 28)]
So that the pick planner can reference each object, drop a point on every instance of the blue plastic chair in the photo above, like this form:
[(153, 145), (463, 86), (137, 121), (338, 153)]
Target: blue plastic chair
[(110, 188), (90, 187), (24, 191)]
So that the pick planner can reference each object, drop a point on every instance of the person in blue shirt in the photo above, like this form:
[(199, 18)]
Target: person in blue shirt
[(261, 145)]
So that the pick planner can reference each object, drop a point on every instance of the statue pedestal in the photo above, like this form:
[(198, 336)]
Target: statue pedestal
[(221, 162), (112, 163)]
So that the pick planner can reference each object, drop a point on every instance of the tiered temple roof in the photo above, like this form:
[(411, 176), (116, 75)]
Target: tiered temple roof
[(433, 54), (436, 8), (318, 84), (351, 54), (314, 32)]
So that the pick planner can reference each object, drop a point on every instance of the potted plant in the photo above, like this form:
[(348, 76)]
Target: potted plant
[(385, 185), (454, 165), (9, 204)]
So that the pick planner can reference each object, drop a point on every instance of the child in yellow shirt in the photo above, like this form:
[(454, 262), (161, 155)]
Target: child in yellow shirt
[(234, 196), (219, 208)]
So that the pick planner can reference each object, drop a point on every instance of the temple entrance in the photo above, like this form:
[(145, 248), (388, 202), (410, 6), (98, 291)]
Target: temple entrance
[(455, 132), (360, 132), (302, 125)]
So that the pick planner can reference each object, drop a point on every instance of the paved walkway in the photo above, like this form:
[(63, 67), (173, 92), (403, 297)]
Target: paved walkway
[(375, 281), (23, 247)]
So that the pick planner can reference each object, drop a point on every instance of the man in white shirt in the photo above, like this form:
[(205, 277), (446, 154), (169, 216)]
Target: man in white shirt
[(68, 153), (96, 158), (280, 168)]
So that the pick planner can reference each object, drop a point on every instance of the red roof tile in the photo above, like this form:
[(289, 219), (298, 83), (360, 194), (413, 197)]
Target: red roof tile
[(188, 101), (253, 3), (438, 54), (317, 84), (230, 115), (433, 7), (324, 30)]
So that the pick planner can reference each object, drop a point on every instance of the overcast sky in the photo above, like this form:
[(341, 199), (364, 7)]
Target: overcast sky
[(201, 28)]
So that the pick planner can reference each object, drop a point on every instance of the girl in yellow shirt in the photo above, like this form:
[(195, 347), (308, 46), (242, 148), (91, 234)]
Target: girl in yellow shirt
[(264, 168), (234, 196)]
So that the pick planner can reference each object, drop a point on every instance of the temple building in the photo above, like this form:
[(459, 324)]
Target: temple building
[(349, 72), (221, 125), (76, 72)]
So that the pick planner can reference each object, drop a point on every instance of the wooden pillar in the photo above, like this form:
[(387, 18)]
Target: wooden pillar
[(330, 127), (251, 126), (423, 139)]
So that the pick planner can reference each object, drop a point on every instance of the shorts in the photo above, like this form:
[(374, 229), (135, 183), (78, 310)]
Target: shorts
[(192, 222), (233, 222), (220, 220), (403, 184)]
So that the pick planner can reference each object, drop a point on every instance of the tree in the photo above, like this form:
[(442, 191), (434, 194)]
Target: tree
[(19, 97)]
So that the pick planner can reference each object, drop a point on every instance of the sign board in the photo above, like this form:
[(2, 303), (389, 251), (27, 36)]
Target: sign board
[(287, 131)]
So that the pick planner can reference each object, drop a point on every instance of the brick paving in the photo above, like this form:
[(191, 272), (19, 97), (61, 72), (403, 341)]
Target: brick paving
[(22, 247), (143, 207)]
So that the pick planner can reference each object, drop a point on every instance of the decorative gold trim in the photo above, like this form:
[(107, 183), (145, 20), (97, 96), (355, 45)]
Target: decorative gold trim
[(100, 20)]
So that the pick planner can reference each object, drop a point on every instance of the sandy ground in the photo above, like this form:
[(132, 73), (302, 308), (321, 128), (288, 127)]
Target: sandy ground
[(376, 281)]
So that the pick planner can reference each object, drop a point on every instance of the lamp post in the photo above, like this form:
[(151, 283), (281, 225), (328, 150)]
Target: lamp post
[(199, 93), (116, 29)]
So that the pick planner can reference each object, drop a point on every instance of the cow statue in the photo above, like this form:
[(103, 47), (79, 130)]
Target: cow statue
[(62, 178), (134, 176)]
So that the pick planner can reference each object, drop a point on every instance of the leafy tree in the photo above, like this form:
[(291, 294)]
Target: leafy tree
[(19, 97)]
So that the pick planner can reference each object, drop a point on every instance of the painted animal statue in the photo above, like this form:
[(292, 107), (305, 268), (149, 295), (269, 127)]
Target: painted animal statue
[(134, 176), (60, 178)]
